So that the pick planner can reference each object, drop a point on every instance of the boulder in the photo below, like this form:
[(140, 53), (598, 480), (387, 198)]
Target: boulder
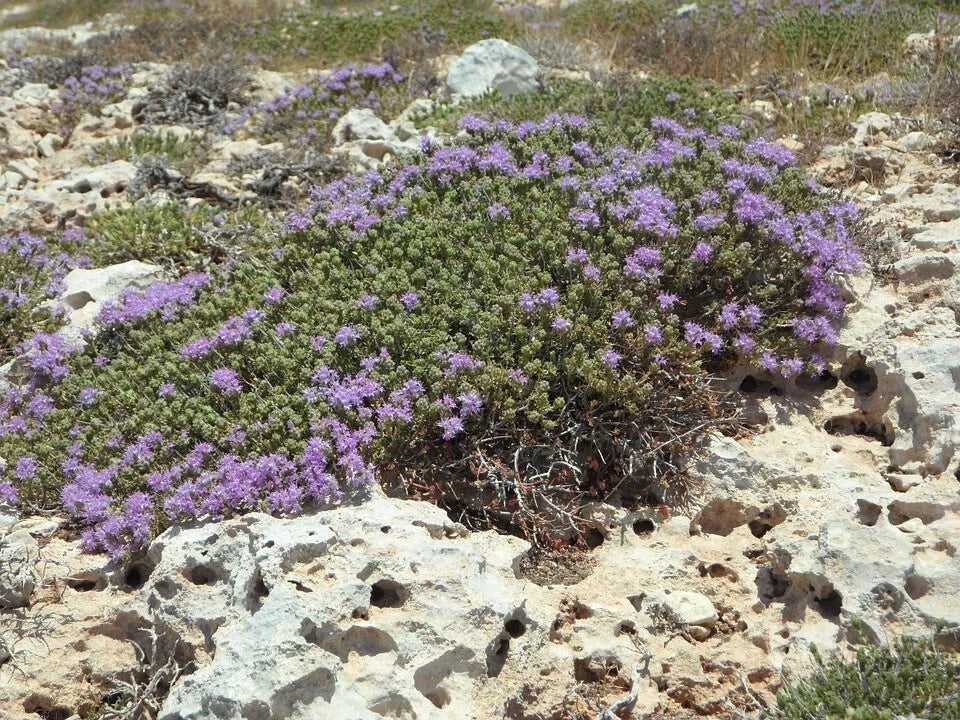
[(870, 125), (493, 64), (925, 267), (19, 553)]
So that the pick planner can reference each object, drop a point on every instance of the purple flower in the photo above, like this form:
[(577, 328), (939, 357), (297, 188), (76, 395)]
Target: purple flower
[(518, 376), (702, 252), (498, 210), (346, 335), (470, 404), (409, 300), (282, 329), (451, 427), (25, 469), (88, 396), (621, 319), (769, 362), (367, 302), (653, 334), (561, 324), (611, 357), (548, 296), (225, 380), (274, 295), (667, 300)]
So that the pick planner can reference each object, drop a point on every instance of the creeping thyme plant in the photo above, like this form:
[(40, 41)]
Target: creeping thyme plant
[(31, 271), (452, 308)]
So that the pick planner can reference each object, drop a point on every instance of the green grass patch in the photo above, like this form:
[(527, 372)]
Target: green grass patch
[(624, 107), (321, 37), (177, 150), (911, 678)]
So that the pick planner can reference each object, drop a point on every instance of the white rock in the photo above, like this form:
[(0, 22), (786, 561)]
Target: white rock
[(685, 10), (19, 553), (102, 180), (36, 94), (25, 168), (49, 144), (925, 267), (493, 64), (870, 125), (361, 124), (690, 610), (353, 613), (915, 142)]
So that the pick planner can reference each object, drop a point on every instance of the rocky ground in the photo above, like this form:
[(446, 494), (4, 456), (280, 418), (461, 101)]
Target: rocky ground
[(840, 505)]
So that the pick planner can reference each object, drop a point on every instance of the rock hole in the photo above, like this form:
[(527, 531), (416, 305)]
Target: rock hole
[(772, 584), (202, 575), (900, 512), (388, 594), (830, 604), (625, 627), (644, 526), (439, 697), (868, 513), (593, 538), (78, 300), (599, 670), (718, 570), (748, 384), (637, 601), (918, 375), (916, 586), (86, 584), (857, 376), (385, 529), (766, 520), (515, 628), (860, 424), (826, 380), (136, 576)]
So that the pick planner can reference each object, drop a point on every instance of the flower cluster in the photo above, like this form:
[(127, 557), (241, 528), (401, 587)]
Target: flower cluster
[(88, 91), (306, 113), (31, 271), (534, 267)]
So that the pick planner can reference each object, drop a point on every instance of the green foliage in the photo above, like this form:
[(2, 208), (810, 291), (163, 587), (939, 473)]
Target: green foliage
[(30, 271), (150, 232), (839, 43), (470, 270), (624, 107), (333, 36), (611, 20), (176, 150), (913, 677)]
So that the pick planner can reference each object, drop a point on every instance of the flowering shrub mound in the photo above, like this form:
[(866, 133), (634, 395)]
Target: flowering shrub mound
[(88, 91), (31, 270), (307, 113), (520, 318), (623, 105)]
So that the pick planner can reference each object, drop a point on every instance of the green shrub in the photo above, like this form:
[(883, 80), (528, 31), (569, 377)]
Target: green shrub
[(911, 678), (31, 269), (172, 233), (327, 37), (528, 310), (624, 106), (176, 150)]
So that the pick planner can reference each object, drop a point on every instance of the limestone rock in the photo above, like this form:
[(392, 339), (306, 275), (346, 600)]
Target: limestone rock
[(925, 267), (493, 64), (340, 614), (870, 125), (19, 553)]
